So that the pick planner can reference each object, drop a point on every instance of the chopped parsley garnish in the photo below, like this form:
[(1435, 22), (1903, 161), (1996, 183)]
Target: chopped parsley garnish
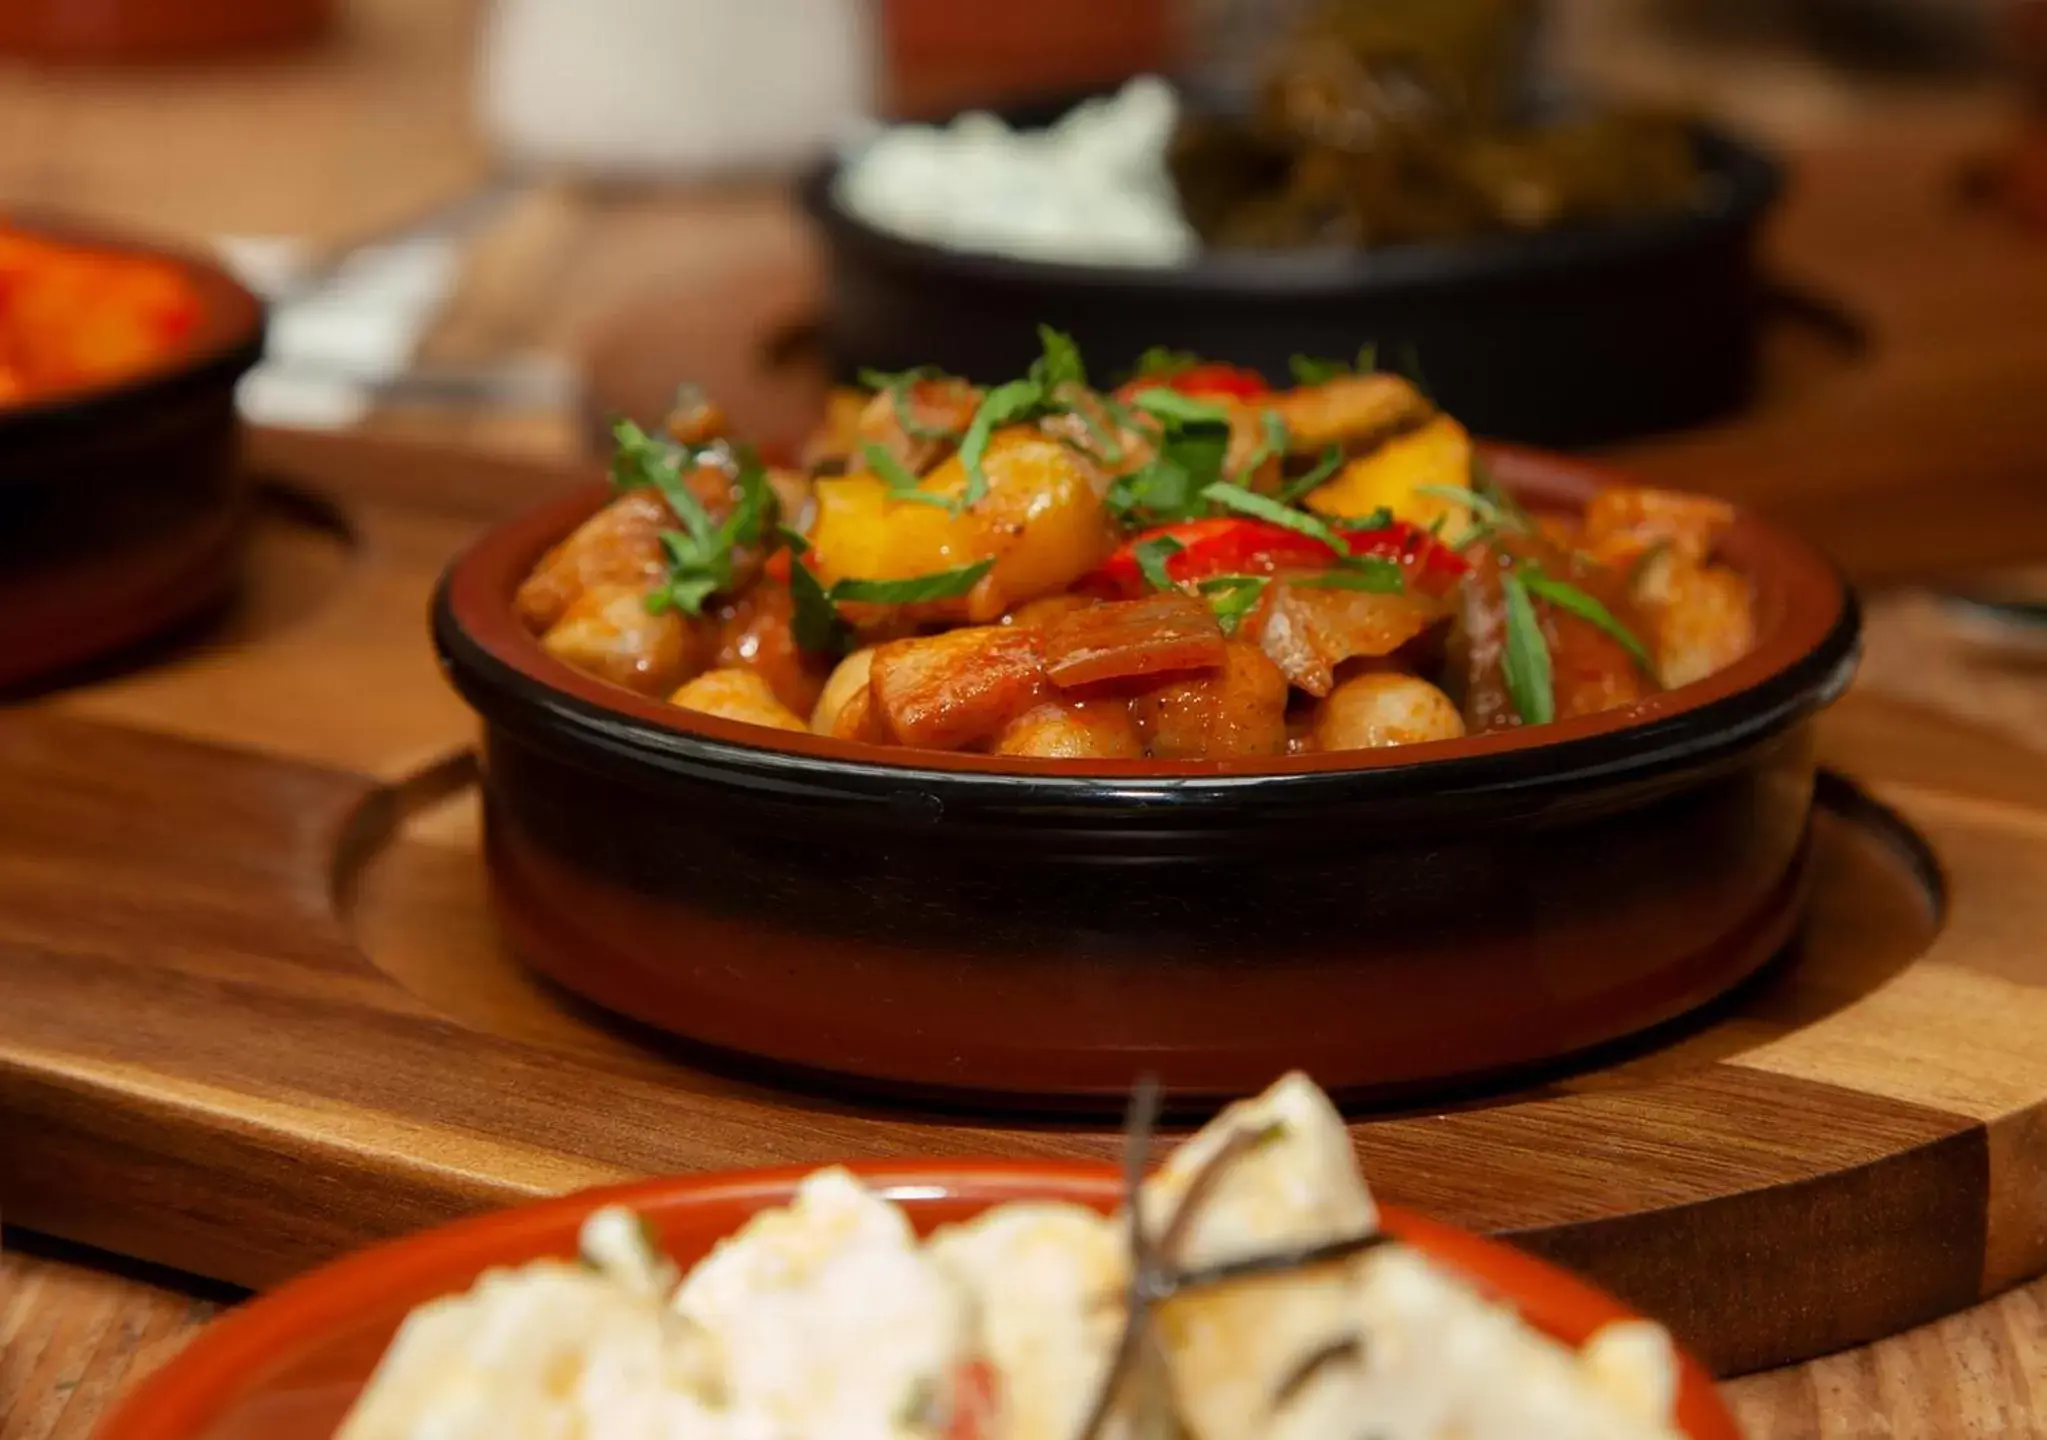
[(1495, 512), (1330, 462), (700, 555), (1061, 363), (1379, 519), (1172, 406), (1004, 405), (913, 589), (1161, 363), (1232, 597), (1525, 662), (1151, 556), (1370, 573), (902, 485), (815, 620), (1168, 489), (1308, 370), (1262, 507), (1570, 599)]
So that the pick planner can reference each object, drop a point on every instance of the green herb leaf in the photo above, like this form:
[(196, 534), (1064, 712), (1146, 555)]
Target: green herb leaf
[(1061, 363), (700, 555), (1160, 363), (1330, 462), (814, 620), (1169, 488), (1178, 409), (1492, 511), (1570, 599), (1307, 370), (1151, 556), (913, 589), (1000, 406), (1260, 507), (1371, 573), (902, 485), (1525, 663), (1379, 519), (1232, 597)]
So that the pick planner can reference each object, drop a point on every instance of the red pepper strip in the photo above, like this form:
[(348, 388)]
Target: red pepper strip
[(1203, 380), (777, 566), (1233, 545)]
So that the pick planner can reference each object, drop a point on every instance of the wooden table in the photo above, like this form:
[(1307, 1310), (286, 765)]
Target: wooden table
[(375, 130)]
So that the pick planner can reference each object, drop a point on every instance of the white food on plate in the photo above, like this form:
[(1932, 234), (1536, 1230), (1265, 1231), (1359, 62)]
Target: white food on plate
[(1091, 189), (827, 1319)]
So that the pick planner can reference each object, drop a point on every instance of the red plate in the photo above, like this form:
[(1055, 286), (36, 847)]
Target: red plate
[(288, 1366)]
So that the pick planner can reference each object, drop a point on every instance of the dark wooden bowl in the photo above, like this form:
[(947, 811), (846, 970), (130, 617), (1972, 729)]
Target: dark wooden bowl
[(1041, 932), (121, 508), (1574, 336)]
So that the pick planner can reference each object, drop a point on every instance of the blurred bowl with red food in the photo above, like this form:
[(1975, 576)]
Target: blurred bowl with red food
[(121, 510)]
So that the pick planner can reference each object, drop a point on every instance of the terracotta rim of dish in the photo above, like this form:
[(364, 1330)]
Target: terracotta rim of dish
[(228, 340), (1808, 642), (194, 1389)]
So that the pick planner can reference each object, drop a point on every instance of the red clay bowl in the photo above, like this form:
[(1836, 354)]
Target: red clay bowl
[(288, 1366), (121, 506), (1040, 932)]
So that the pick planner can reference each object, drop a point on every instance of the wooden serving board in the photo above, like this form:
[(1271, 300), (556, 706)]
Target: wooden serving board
[(253, 1010)]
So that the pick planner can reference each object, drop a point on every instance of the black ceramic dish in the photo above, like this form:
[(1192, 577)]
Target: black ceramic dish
[(1043, 931), (1567, 337), (121, 507)]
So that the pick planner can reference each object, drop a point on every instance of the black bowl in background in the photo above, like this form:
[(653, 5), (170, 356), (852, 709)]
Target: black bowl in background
[(1572, 336)]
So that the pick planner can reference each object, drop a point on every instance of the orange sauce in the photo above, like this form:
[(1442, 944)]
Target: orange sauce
[(72, 317)]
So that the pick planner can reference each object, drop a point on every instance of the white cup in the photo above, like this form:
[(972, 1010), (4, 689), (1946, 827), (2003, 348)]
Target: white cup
[(674, 89)]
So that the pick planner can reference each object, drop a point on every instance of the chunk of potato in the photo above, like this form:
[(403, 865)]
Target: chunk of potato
[(949, 691), (1701, 617), (737, 694), (1384, 707), (845, 707), (1308, 631), (619, 545), (608, 633), (1439, 453), (1237, 710), (1623, 522), (1062, 729)]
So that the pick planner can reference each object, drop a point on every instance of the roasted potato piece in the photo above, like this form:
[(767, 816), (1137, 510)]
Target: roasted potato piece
[(1384, 707), (608, 633), (619, 545), (1625, 522), (1308, 631), (845, 707), (949, 691), (1701, 618), (1041, 522), (1350, 409), (737, 694), (831, 446), (1439, 453), (1066, 729), (1238, 709)]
